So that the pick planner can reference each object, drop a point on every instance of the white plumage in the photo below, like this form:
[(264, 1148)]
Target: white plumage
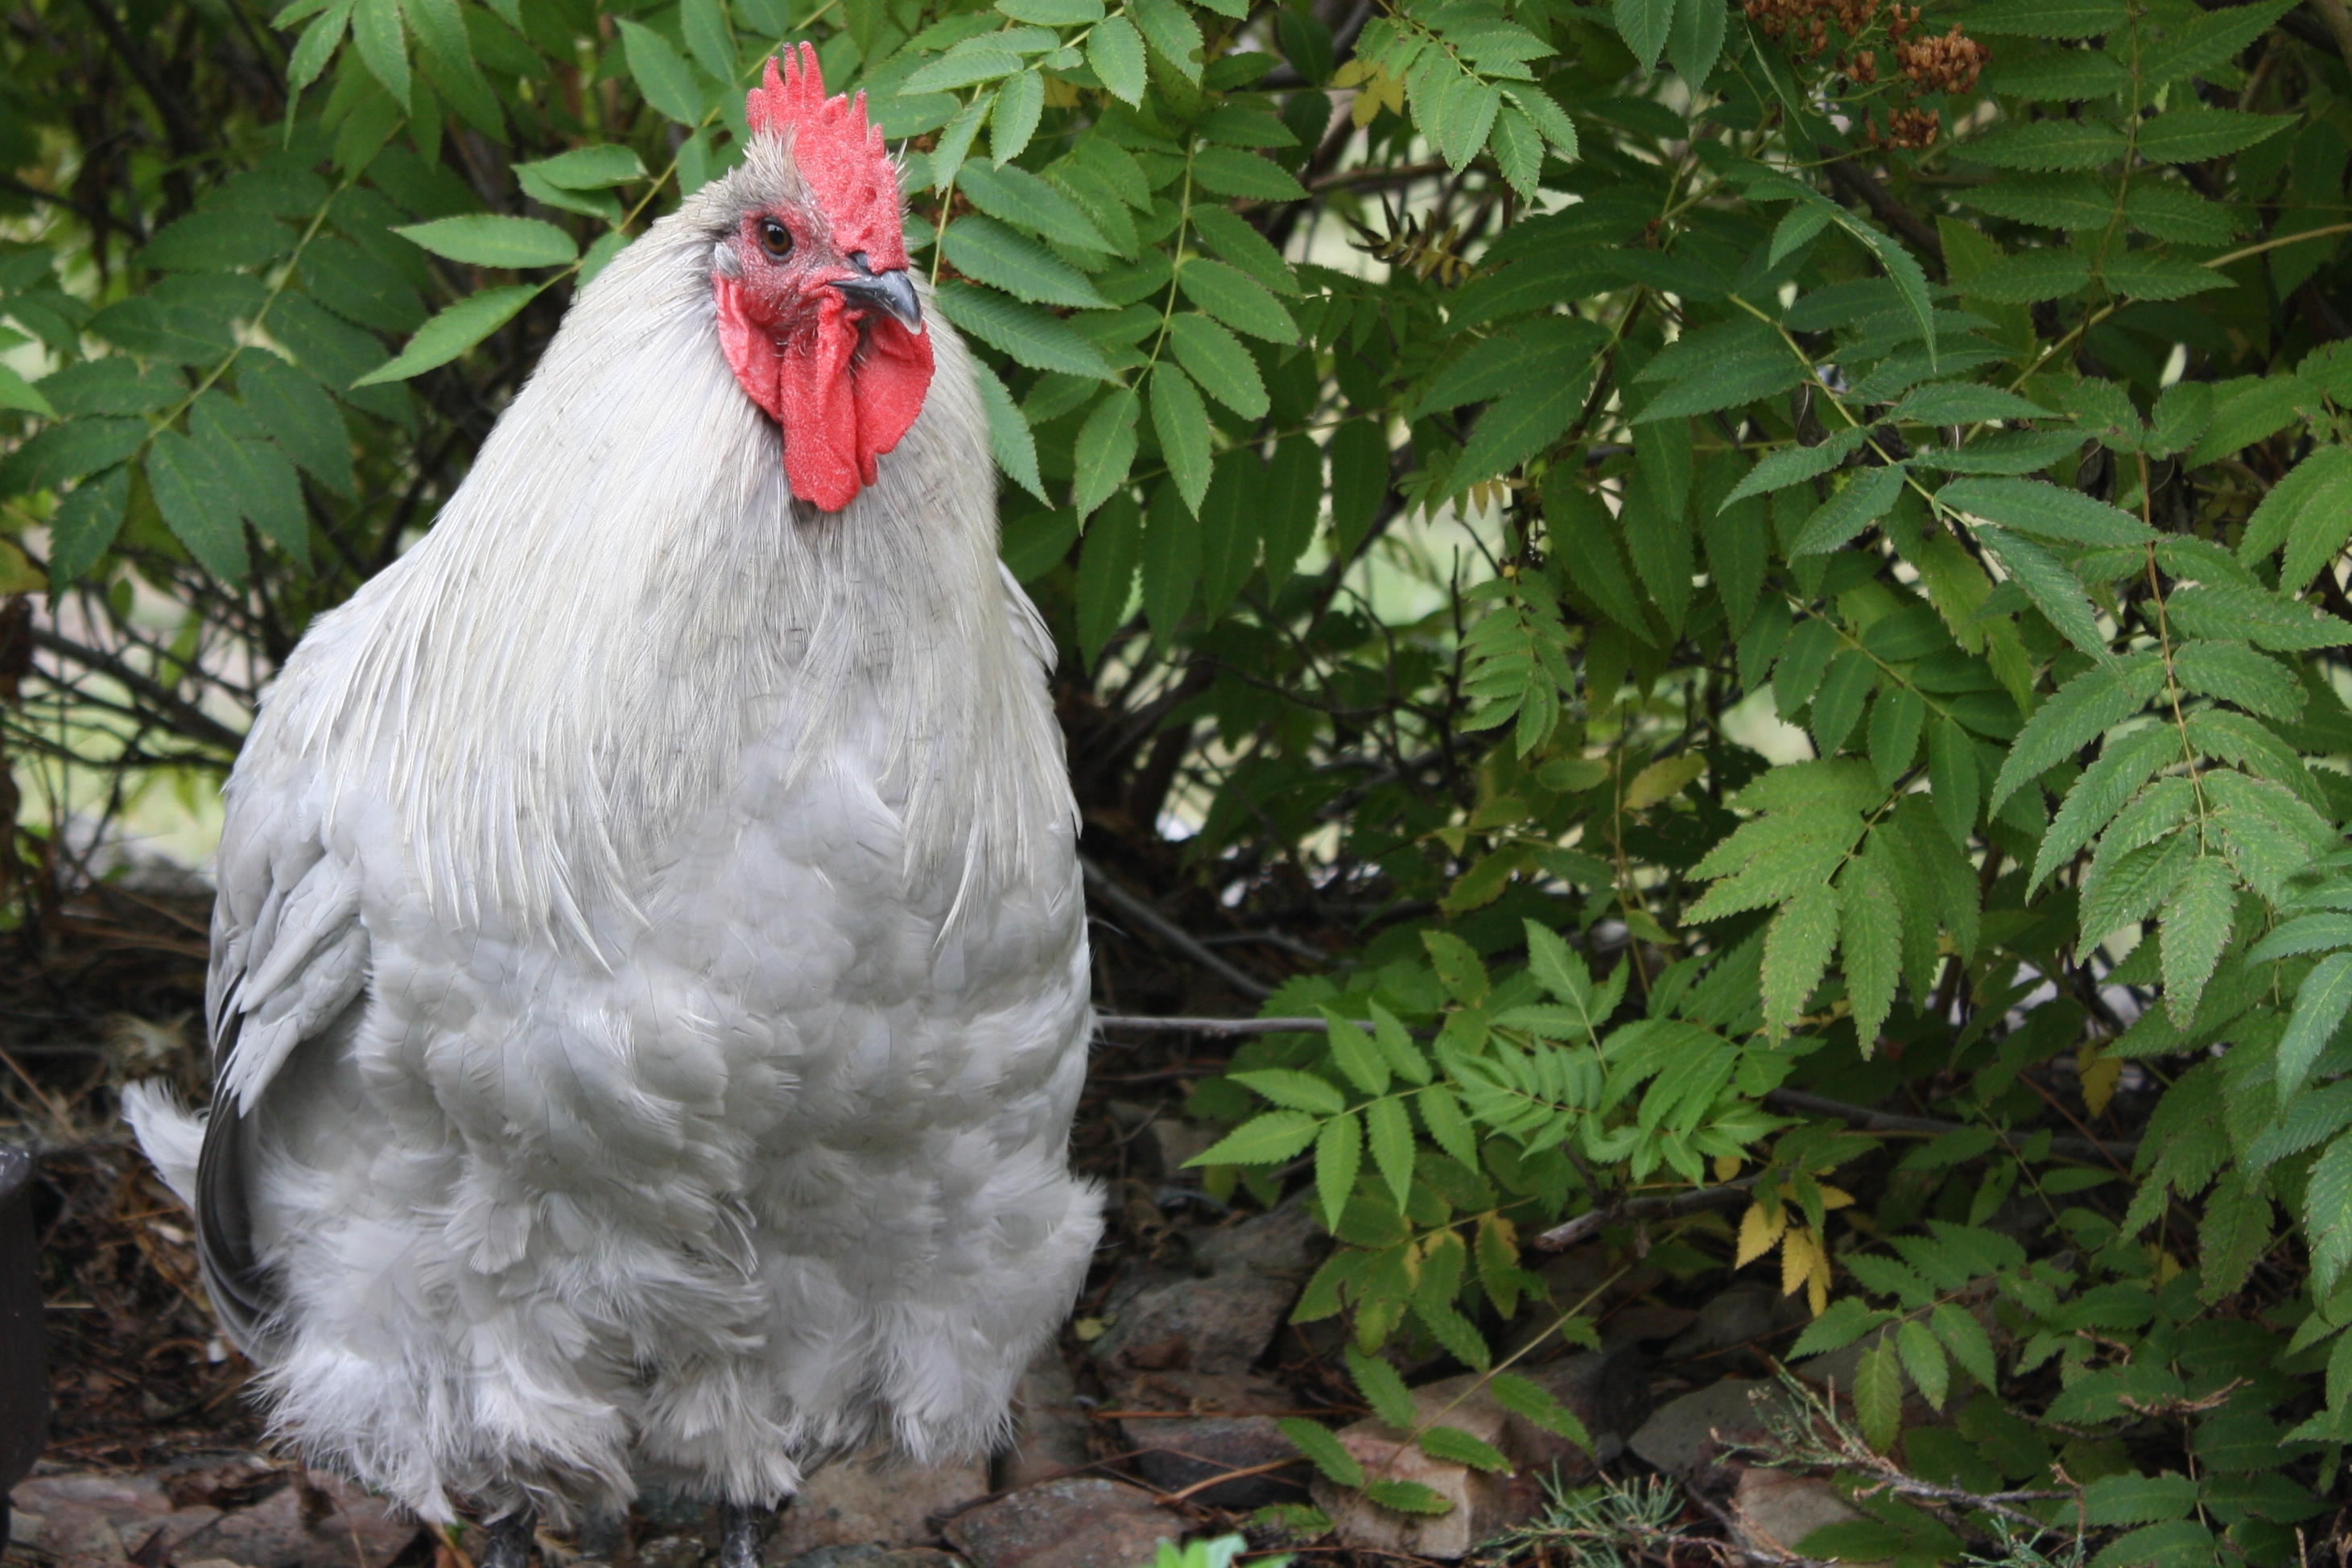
[(649, 973)]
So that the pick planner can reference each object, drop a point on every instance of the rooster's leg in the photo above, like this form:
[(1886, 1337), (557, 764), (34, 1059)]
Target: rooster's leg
[(741, 1528), (510, 1541)]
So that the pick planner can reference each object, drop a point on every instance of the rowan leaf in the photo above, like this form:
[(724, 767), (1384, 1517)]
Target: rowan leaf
[(1878, 1395), (1339, 1155)]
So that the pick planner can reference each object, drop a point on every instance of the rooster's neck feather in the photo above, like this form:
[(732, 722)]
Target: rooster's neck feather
[(621, 598)]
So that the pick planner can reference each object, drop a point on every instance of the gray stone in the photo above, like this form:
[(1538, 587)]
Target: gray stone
[(1177, 1452), (872, 1556), (859, 1501), (1082, 1521), (1774, 1510), (1052, 1433), (1224, 1319), (671, 1552), (99, 1521), (1742, 1316), (1686, 1432)]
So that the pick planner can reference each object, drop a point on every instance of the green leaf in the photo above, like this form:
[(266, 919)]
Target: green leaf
[(263, 484), (2145, 276), (1532, 1401), (2320, 1004), (1953, 777), (587, 168), (1028, 335), (1229, 171), (453, 331), (484, 240), (1390, 1131), (707, 37), (2196, 926), (1173, 33), (1338, 1154), (1964, 1338), (1878, 1395), (1545, 112), (1515, 429), (299, 416), (1923, 1358), (2197, 132), (963, 69), (2047, 145), (1217, 361), (2134, 1498), (2233, 1236), (2310, 511), (2053, 586), (2054, 19), (2106, 786), (1234, 299), (1053, 13), (1695, 40), (1245, 247), (318, 46), (1963, 403), (1408, 1497), (1453, 1445), (383, 47), (1354, 1054), (1794, 464), (1872, 920), (1181, 422), (1266, 1140), (1644, 25), (1847, 1319), (2231, 610), (1021, 198), (1106, 450), (85, 525), (1796, 953), (1020, 104), (667, 81), (197, 504), (16, 392), (1326, 1451), (1113, 549), (983, 248), (2029, 279), (1115, 50), (2082, 709), (1383, 1389), (1009, 441), (1868, 496), (1293, 504), (2040, 507), (1518, 151)]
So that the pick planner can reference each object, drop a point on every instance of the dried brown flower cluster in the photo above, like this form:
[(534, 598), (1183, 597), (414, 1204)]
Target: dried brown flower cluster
[(1929, 63), (1908, 128), (1947, 64)]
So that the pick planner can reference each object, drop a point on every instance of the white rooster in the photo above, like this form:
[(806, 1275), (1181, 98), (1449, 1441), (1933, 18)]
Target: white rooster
[(648, 990)]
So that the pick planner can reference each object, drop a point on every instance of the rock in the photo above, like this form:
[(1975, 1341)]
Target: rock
[(871, 1556), (1157, 1142), (1052, 1433), (95, 1521), (210, 1563), (324, 1525), (1081, 1521), (1774, 1510), (1606, 1390), (1737, 1318), (1644, 1322), (859, 1501), (1686, 1432), (670, 1551), (1177, 1452), (1222, 1321)]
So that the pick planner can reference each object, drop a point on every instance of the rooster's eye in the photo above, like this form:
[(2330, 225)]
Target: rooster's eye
[(775, 239)]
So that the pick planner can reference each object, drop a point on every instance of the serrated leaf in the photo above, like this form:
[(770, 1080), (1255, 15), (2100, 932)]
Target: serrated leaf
[(1266, 1140), (1871, 923), (1383, 1389), (2049, 144), (1794, 464), (668, 83), (1923, 1358), (1408, 1497), (2197, 132), (383, 45), (1868, 496), (1020, 104), (963, 69), (1530, 1400), (453, 331), (1019, 198), (1028, 335), (2053, 586), (2134, 1498), (1339, 1155), (2103, 790), (1218, 363), (2030, 277), (1953, 777), (1104, 450), (1237, 300), (197, 504), (1644, 25), (2233, 1236), (1115, 50), (985, 249), (486, 240), (1010, 441), (2320, 1004), (1390, 1135), (1967, 1340), (1453, 1445), (1514, 430), (84, 525), (2195, 927), (1326, 1453), (1175, 36), (2040, 507), (1796, 953), (1181, 423), (1878, 1395), (2233, 611)]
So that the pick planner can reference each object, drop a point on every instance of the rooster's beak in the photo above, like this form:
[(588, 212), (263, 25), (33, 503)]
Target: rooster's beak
[(892, 292)]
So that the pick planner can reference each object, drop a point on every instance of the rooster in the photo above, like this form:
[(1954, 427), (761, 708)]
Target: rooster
[(648, 991)]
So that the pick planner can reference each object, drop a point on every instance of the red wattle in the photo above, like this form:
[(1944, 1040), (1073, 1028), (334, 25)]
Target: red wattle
[(837, 419)]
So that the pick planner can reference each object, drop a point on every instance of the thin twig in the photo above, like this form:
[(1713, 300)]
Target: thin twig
[(1732, 1194), (1143, 913)]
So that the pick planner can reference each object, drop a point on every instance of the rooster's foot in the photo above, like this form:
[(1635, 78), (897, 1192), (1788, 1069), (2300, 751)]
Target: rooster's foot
[(741, 1528), (510, 1541)]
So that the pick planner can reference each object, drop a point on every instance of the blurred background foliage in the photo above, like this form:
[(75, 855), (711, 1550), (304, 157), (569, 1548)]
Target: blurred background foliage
[(1733, 616)]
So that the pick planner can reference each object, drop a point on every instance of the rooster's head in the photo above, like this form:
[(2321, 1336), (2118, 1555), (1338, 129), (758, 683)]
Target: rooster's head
[(816, 311)]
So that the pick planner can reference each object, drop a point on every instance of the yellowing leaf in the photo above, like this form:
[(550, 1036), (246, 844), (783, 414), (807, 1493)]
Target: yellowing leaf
[(1796, 1249), (1835, 1197), (2098, 1074), (1662, 781), (1726, 1166), (1758, 1232)]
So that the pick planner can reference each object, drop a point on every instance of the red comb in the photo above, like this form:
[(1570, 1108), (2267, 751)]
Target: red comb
[(841, 159)]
